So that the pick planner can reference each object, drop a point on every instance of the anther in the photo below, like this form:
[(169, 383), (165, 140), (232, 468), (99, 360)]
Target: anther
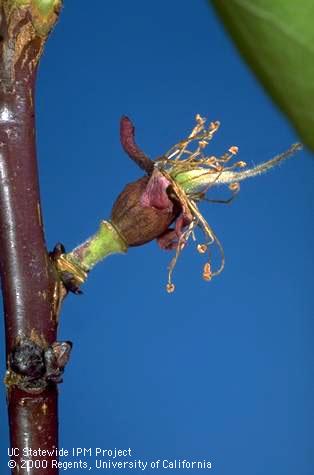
[(207, 273), (202, 248), (213, 126), (170, 288), (234, 187), (234, 150), (203, 143)]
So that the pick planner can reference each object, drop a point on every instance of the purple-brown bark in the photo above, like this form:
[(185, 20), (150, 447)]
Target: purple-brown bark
[(29, 282)]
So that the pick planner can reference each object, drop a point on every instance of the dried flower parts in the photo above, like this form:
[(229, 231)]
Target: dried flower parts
[(179, 165), (163, 205)]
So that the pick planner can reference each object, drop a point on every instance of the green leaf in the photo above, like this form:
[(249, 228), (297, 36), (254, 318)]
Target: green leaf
[(276, 37)]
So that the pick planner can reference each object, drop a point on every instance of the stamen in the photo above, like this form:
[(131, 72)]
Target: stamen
[(170, 288), (235, 187), (202, 248), (181, 244), (234, 150), (207, 274), (192, 174)]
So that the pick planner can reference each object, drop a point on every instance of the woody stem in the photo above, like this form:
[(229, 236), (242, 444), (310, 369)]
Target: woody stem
[(28, 277)]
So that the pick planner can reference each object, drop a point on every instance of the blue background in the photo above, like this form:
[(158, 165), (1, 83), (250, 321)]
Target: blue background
[(220, 371)]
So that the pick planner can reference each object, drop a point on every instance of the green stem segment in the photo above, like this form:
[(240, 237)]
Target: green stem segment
[(104, 242)]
